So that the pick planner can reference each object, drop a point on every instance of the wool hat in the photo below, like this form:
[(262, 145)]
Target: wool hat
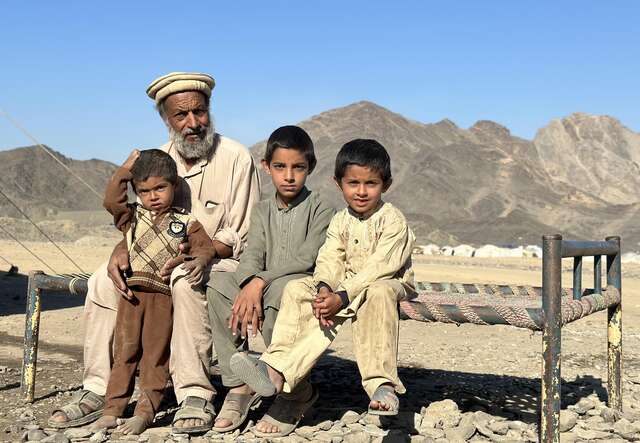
[(174, 82)]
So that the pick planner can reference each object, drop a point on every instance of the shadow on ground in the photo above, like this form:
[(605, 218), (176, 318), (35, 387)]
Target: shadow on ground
[(13, 296)]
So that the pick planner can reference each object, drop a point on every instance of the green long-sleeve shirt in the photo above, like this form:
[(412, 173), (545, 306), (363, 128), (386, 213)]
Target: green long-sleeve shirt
[(284, 241)]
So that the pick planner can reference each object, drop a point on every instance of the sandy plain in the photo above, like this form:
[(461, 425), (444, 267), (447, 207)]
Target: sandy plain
[(496, 367)]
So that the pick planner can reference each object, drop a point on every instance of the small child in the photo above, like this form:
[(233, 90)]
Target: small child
[(154, 230), (285, 234), (362, 271)]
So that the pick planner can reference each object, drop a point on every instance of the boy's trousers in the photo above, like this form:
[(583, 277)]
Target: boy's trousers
[(220, 301), (142, 337), (191, 344), (299, 341)]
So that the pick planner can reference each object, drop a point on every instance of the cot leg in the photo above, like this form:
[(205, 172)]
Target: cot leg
[(614, 333), (551, 339), (32, 327)]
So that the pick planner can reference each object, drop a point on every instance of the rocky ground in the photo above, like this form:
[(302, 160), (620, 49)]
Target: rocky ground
[(464, 383)]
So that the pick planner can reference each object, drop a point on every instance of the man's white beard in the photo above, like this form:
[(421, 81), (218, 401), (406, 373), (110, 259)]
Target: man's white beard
[(193, 150)]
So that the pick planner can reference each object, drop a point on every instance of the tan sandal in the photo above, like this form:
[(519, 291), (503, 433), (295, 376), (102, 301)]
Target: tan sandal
[(76, 416), (385, 394), (236, 409), (286, 412), (194, 408)]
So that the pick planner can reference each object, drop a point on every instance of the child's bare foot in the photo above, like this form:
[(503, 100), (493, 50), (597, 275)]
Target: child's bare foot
[(286, 411), (135, 425), (384, 401), (104, 422)]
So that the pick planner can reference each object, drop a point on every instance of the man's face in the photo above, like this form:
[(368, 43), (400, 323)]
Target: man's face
[(188, 114), (191, 129)]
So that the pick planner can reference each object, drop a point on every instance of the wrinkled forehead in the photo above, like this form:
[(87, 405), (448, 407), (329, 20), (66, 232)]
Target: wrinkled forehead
[(186, 101)]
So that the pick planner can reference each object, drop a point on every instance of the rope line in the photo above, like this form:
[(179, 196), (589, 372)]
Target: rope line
[(41, 231), (7, 261), (28, 250), (20, 128)]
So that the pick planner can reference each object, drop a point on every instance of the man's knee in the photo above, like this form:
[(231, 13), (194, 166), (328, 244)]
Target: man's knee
[(101, 289)]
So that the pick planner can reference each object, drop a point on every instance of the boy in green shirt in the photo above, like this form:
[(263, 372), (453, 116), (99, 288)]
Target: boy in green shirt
[(285, 234)]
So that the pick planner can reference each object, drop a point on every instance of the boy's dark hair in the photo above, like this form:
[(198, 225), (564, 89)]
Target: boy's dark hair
[(154, 163), (291, 137), (363, 152)]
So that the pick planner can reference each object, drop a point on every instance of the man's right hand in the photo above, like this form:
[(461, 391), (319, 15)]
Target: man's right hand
[(130, 161), (118, 264)]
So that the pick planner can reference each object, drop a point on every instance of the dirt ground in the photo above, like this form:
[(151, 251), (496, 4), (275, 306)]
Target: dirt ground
[(497, 367)]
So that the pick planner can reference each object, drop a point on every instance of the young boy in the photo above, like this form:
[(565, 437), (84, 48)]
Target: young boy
[(362, 270), (154, 230), (285, 234)]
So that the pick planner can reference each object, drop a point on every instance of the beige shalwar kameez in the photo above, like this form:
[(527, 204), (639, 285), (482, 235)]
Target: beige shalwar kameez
[(370, 259)]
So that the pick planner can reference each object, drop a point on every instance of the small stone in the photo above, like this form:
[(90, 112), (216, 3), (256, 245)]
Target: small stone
[(584, 405), (610, 415), (58, 437), (625, 429), (371, 419), (568, 437), (591, 434), (375, 431), (350, 417), (323, 436), (77, 433), (568, 420), (306, 432), (499, 427), (441, 414), (31, 427), (355, 427), (325, 425), (356, 437), (99, 437), (336, 439), (421, 439), (36, 435), (464, 431), (432, 432), (518, 425), (27, 415)]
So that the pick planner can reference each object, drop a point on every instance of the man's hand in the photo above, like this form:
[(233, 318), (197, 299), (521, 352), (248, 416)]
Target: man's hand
[(171, 264), (118, 264), (248, 308), (130, 161), (195, 267), (325, 306)]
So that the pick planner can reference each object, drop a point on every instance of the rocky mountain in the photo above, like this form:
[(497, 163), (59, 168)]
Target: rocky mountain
[(39, 184), (578, 176), (484, 185)]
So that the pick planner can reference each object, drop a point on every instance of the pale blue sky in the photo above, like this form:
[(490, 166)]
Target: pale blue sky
[(74, 73)]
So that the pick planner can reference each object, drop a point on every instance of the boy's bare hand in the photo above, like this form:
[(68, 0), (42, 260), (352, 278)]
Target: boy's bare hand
[(248, 308), (326, 305), (171, 264), (195, 267), (118, 265), (130, 161)]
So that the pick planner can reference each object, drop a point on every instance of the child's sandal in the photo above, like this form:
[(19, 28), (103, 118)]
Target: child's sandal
[(385, 394)]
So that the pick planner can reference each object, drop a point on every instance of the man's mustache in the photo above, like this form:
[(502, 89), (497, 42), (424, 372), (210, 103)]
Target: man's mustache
[(200, 130)]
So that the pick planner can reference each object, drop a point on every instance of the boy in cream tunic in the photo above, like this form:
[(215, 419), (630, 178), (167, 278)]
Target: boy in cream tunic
[(362, 271)]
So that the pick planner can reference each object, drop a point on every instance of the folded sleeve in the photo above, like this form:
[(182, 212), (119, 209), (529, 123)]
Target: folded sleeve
[(199, 242), (116, 199), (244, 194), (391, 254), (330, 264), (307, 252)]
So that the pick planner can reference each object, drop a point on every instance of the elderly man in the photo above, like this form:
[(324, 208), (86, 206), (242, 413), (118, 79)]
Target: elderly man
[(220, 185)]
